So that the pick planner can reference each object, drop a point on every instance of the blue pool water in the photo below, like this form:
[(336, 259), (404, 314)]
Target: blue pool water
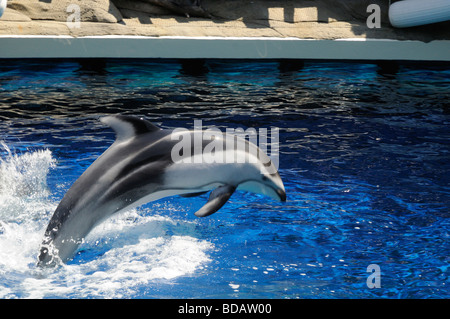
[(364, 155)]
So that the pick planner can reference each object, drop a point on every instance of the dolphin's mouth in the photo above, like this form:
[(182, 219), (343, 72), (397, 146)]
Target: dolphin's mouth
[(273, 191), (281, 194)]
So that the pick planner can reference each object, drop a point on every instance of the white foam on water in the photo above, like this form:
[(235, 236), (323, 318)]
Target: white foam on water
[(120, 257), (23, 184)]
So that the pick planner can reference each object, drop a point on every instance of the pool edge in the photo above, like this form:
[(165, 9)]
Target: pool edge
[(179, 47)]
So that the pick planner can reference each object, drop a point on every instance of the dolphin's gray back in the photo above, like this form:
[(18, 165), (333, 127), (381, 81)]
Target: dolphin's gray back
[(143, 172), (136, 163), (124, 173)]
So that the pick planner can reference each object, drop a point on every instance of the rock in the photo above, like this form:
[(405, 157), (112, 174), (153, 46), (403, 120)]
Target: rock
[(292, 11), (183, 7), (164, 7), (141, 7), (90, 10), (304, 19), (13, 15), (263, 10)]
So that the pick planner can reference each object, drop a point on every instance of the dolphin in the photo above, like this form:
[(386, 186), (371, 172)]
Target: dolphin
[(146, 163)]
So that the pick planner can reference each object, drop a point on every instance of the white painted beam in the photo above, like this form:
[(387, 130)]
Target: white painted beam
[(221, 48)]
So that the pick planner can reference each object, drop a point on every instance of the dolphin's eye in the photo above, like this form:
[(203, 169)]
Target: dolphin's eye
[(264, 178)]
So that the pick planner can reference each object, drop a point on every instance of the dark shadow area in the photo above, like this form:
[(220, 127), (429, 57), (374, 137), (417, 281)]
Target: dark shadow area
[(194, 67), (92, 66), (387, 69), (290, 65)]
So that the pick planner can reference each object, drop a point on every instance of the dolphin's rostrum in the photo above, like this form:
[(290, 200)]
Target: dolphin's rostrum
[(139, 167)]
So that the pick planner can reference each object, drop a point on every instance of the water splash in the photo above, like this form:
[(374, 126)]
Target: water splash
[(24, 203), (119, 256), (23, 184)]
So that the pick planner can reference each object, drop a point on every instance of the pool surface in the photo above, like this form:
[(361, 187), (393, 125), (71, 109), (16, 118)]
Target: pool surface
[(364, 156)]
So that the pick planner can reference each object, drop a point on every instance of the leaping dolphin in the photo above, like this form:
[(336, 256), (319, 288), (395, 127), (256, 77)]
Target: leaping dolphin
[(141, 166)]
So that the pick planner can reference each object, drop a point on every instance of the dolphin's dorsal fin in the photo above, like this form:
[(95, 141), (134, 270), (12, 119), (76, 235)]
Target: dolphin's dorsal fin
[(127, 126), (217, 199)]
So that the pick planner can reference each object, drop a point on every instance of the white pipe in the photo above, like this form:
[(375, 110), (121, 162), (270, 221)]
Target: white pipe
[(411, 13), (2, 6)]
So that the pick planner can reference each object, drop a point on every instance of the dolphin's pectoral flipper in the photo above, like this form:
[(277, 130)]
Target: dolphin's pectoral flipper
[(216, 200)]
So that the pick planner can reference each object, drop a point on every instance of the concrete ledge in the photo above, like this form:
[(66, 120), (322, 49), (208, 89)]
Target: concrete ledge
[(221, 48)]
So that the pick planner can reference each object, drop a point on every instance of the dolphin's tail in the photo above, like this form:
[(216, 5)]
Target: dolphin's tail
[(48, 255)]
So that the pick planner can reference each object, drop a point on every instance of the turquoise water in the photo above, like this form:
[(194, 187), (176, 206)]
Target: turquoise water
[(364, 155)]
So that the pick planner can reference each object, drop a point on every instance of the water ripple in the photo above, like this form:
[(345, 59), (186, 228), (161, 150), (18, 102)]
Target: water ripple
[(364, 155)]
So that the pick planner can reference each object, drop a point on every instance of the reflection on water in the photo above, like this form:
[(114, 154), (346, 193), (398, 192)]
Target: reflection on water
[(364, 155)]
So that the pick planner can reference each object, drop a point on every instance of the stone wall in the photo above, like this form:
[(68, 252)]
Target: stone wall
[(312, 19)]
